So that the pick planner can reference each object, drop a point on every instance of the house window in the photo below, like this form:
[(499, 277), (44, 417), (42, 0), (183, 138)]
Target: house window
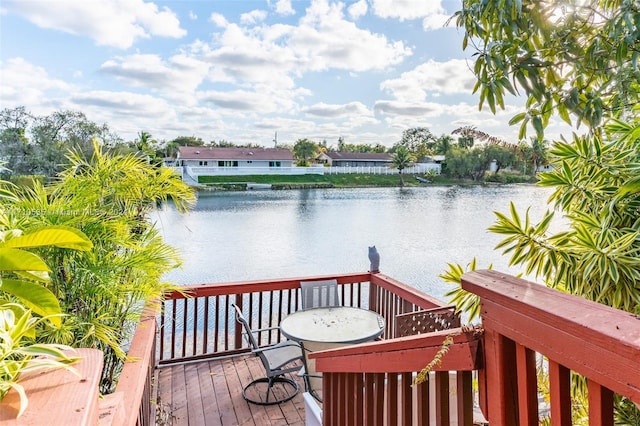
[(275, 164), (203, 163), (227, 164)]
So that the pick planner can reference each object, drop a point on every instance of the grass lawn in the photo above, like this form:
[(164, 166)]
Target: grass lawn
[(336, 181)]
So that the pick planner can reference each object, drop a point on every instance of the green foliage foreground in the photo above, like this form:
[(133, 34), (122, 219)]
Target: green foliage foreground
[(597, 188), (101, 291)]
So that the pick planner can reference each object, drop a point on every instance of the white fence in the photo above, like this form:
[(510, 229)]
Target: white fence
[(194, 172), (417, 169)]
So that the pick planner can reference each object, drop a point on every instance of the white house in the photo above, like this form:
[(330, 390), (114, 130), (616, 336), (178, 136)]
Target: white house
[(194, 161), (201, 156), (355, 159)]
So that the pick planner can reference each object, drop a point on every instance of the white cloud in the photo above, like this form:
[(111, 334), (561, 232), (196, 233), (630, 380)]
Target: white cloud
[(125, 103), (358, 9), (283, 7), (406, 9), (179, 75), (192, 15), (253, 17), (325, 40), (432, 77), (26, 84), (116, 23), (334, 111), (219, 20), (437, 21), (417, 109)]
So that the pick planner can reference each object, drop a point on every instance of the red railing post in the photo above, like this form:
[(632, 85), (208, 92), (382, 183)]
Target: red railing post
[(560, 394), (237, 336), (600, 405), (499, 356), (527, 386)]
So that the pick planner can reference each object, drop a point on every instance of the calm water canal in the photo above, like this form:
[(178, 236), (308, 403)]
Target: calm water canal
[(234, 236)]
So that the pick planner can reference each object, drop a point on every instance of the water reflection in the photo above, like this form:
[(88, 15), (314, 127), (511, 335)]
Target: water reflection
[(232, 236)]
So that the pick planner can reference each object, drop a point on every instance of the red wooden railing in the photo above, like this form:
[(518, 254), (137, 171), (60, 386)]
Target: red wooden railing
[(135, 381), (371, 383), (524, 321), (200, 323)]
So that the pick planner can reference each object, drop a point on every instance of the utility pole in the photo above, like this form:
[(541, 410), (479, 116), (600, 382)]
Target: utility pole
[(275, 141)]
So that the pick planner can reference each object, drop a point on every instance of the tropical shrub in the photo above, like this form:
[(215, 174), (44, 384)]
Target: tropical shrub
[(597, 189), (23, 276), (102, 292)]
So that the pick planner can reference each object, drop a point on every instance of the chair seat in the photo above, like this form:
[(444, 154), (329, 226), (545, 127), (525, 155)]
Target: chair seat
[(282, 354)]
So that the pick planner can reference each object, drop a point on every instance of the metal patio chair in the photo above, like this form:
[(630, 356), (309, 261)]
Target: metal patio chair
[(274, 360)]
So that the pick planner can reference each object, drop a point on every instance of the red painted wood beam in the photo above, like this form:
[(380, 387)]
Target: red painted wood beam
[(596, 341)]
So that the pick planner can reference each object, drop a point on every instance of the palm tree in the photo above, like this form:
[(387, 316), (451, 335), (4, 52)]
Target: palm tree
[(401, 160)]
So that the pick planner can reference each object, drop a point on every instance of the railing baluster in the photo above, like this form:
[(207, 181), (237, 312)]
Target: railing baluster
[(560, 394), (173, 328), (392, 399), (216, 328), (195, 325), (185, 310), (527, 386), (600, 405), (423, 398), (161, 336), (406, 400), (205, 325), (464, 406)]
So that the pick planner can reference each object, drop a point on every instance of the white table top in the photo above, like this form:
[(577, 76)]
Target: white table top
[(341, 324)]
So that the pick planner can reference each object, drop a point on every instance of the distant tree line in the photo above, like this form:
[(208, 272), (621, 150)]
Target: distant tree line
[(40, 145)]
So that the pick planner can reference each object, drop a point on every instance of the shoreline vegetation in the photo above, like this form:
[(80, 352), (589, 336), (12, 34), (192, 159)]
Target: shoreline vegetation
[(282, 182)]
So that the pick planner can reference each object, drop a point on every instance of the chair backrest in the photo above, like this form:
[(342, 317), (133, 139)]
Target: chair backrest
[(313, 378), (318, 294), (247, 329)]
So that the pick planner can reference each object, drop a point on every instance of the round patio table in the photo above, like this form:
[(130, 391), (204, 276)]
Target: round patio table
[(338, 324)]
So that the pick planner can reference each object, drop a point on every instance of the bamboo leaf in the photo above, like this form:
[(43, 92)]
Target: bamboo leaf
[(58, 236), (20, 260), (35, 297)]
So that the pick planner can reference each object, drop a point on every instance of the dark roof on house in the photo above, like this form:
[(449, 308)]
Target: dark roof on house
[(359, 156), (209, 153)]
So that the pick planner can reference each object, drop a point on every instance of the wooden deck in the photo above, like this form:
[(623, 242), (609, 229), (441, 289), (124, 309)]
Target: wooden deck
[(210, 393)]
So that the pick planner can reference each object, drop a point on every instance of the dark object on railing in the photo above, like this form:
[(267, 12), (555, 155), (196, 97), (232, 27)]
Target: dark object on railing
[(426, 321), (274, 359), (374, 258), (319, 294)]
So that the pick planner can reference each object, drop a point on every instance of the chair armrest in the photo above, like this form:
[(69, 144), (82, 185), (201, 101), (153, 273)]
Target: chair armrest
[(258, 330), (278, 346)]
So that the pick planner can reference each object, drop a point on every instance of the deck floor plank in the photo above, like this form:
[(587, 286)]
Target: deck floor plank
[(209, 393), (257, 413), (179, 395), (196, 409), (209, 402), (243, 411), (163, 398), (223, 395)]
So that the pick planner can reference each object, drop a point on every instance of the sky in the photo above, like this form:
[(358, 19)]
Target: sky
[(247, 71)]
